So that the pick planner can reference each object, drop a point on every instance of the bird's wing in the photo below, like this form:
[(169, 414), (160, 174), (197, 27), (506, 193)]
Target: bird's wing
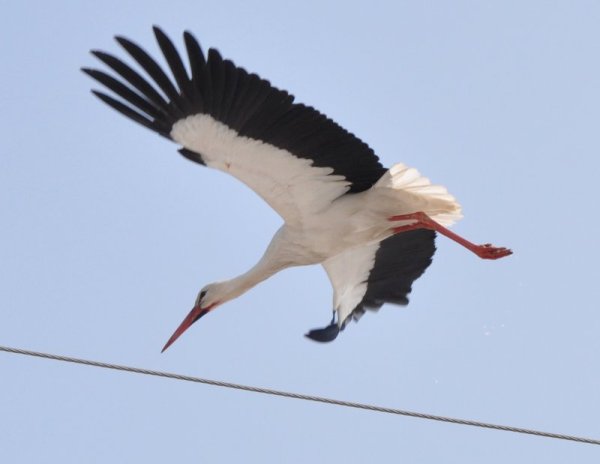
[(294, 157), (364, 278)]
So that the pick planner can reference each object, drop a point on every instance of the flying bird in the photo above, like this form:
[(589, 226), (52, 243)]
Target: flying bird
[(371, 228)]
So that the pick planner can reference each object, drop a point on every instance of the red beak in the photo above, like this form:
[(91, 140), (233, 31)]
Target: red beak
[(196, 313)]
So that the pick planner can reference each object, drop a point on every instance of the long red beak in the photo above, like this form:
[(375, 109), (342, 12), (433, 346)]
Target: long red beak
[(196, 313)]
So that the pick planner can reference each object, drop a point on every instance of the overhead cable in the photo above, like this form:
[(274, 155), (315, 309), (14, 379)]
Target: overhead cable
[(299, 396)]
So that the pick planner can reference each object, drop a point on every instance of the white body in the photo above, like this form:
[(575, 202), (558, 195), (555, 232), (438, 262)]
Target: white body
[(322, 225)]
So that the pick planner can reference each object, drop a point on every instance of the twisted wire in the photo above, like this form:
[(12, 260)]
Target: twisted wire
[(299, 396)]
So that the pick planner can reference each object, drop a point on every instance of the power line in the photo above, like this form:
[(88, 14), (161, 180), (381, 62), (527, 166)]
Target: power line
[(298, 396)]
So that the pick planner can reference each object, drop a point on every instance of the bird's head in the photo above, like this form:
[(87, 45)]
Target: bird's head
[(208, 299)]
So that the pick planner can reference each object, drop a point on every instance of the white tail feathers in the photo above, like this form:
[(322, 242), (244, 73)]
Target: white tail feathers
[(415, 190)]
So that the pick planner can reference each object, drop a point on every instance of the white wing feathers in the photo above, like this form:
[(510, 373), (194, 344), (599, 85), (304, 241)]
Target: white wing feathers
[(292, 186)]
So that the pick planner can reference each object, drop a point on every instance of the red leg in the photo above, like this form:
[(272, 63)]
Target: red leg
[(422, 221)]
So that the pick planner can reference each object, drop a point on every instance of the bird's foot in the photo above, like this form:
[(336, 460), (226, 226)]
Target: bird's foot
[(488, 251), (326, 334)]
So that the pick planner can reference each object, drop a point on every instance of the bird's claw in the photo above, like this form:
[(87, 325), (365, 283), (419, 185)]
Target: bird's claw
[(488, 251)]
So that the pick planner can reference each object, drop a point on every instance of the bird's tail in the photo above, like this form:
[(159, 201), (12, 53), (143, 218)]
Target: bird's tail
[(412, 192)]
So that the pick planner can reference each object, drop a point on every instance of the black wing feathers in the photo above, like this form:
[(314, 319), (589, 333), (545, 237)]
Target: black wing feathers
[(137, 81), (244, 102), (192, 156), (175, 64), (231, 83), (124, 92), (400, 260), (127, 111), (216, 70), (154, 71), (197, 64)]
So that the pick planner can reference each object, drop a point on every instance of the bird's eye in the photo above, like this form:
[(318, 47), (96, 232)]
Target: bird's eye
[(202, 293)]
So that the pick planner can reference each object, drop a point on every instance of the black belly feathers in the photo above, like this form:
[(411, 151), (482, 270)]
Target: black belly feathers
[(254, 108), (243, 101)]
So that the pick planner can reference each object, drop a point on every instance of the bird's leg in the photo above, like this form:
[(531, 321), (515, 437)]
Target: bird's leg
[(422, 221)]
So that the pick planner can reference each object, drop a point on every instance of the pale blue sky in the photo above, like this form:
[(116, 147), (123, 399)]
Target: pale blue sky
[(107, 234)]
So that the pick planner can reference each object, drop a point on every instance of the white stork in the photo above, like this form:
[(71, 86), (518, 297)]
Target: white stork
[(371, 228)]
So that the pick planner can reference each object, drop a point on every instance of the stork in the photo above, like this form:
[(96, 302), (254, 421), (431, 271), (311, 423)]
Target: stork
[(371, 228)]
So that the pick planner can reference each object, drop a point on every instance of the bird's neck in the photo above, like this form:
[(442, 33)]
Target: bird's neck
[(241, 284), (273, 261)]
